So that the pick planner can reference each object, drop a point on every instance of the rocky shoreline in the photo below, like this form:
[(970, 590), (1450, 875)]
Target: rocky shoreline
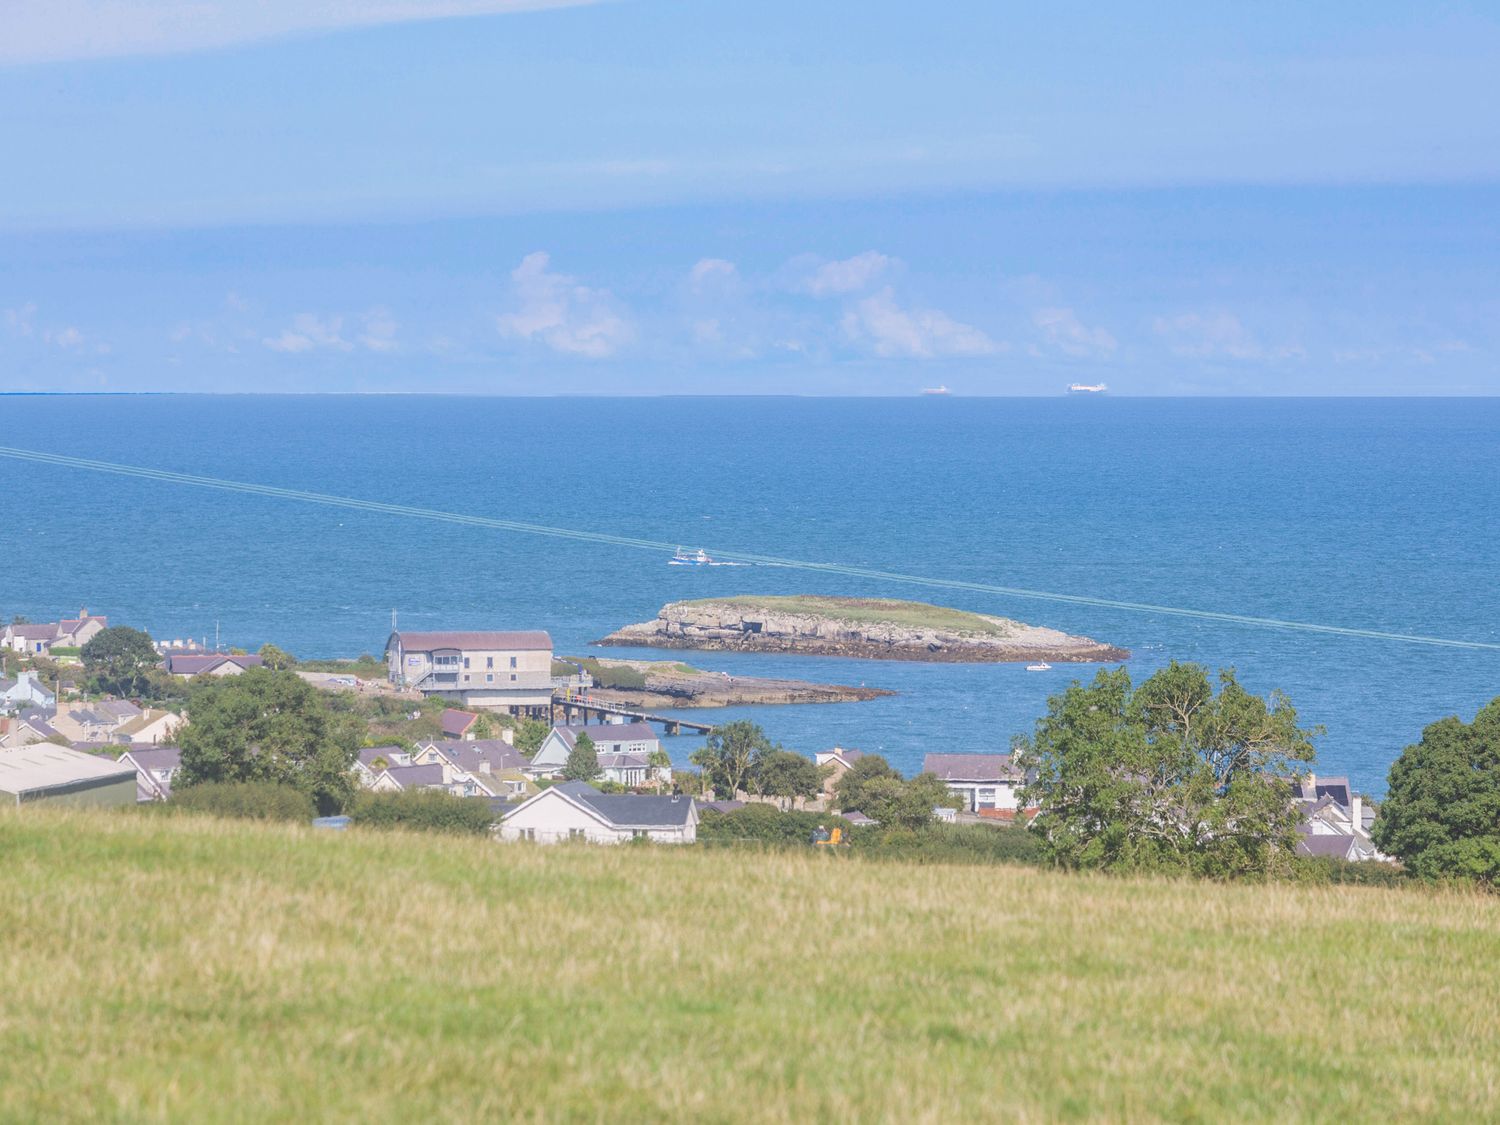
[(734, 626), (671, 685)]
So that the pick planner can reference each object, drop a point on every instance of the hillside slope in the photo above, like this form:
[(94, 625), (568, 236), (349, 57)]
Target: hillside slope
[(196, 970)]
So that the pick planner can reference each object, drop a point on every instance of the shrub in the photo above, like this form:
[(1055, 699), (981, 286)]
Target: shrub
[(763, 824), (1322, 869), (249, 800), (951, 843), (424, 810), (614, 675)]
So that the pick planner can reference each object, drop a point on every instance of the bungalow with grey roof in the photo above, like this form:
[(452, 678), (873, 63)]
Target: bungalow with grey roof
[(576, 810), (38, 639), (458, 724), (372, 761), (984, 781), (187, 664)]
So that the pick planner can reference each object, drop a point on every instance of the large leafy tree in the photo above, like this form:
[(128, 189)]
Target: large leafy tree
[(530, 735), (583, 760), (269, 726), (1441, 814), (119, 660), (1168, 775), (276, 659), (726, 758), (896, 803), (851, 792), (785, 775)]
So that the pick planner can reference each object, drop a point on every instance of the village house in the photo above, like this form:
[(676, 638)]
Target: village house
[(99, 721), (372, 761), (460, 783), (28, 728), (1335, 820), (500, 671), (39, 639), (841, 761), (152, 726), (576, 810), (498, 764), (984, 781), (458, 724), (155, 768), (624, 749), (185, 665), (26, 690)]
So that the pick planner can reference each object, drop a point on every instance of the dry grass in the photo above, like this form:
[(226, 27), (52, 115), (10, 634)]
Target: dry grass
[(875, 611), (206, 970)]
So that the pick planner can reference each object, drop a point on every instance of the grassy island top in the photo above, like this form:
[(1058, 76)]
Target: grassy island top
[(358, 975), (872, 611)]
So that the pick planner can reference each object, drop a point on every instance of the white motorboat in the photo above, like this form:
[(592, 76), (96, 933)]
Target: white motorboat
[(1042, 667)]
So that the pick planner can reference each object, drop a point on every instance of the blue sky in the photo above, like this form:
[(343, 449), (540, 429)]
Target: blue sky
[(641, 196)]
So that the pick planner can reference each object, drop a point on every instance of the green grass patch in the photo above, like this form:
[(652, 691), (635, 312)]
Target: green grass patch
[(872, 611), (364, 667), (185, 968)]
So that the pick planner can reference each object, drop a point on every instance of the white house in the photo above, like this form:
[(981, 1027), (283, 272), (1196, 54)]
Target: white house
[(503, 671), (460, 783), (576, 810), (185, 665), (841, 760), (984, 781), (624, 750), (155, 769), (374, 760), (1335, 821), (25, 691)]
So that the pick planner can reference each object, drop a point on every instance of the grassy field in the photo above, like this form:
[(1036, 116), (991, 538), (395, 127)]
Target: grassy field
[(873, 611), (199, 970)]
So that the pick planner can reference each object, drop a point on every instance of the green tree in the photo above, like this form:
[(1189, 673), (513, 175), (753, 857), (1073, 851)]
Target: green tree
[(119, 661), (785, 775), (276, 659), (849, 791), (727, 755), (269, 726), (659, 760), (1170, 775), (530, 736), (583, 760), (1441, 814), (905, 804)]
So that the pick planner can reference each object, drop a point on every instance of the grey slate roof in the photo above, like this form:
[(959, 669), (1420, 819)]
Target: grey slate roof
[(156, 757), (368, 755), (1338, 846), (455, 722), (602, 734), (631, 810), (526, 641), (416, 776), (499, 754), (972, 767)]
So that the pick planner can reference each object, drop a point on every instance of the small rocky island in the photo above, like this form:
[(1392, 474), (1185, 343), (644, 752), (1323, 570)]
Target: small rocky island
[(864, 628)]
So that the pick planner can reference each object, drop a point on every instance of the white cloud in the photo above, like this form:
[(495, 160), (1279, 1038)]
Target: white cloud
[(1218, 335), (50, 30), (69, 338), (1066, 332), (847, 276), (379, 333), (21, 321), (879, 323), (711, 274), (310, 332), (553, 309)]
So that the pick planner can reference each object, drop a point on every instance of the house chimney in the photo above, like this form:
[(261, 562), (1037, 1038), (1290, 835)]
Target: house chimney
[(484, 766), (508, 736), (1356, 814), (1310, 786)]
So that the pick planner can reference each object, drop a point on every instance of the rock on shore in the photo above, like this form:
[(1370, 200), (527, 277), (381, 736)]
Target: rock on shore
[(871, 629)]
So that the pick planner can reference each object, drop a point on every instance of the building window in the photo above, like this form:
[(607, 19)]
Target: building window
[(489, 661), (512, 677), (528, 833), (489, 677), (637, 833), (466, 662), (575, 833), (512, 661)]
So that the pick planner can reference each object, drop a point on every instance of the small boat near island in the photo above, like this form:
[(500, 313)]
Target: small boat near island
[(1041, 667)]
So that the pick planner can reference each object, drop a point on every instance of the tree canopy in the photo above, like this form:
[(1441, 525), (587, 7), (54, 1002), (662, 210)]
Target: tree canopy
[(530, 735), (583, 760), (1168, 775), (119, 660), (1441, 814), (851, 791), (785, 775), (269, 726), (728, 754), (276, 659), (897, 803)]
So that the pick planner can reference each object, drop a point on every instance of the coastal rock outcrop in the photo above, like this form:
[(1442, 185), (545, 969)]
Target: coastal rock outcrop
[(872, 629)]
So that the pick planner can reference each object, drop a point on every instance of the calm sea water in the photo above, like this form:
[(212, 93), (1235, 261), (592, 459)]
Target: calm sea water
[(1380, 514)]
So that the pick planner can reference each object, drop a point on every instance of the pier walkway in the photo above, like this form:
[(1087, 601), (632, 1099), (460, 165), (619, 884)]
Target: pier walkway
[(583, 706)]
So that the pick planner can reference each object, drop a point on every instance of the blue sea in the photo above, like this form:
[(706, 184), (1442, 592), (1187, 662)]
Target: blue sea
[(1379, 514)]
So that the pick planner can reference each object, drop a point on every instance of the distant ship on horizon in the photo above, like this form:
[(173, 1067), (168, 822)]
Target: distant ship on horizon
[(942, 390), (1087, 388)]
